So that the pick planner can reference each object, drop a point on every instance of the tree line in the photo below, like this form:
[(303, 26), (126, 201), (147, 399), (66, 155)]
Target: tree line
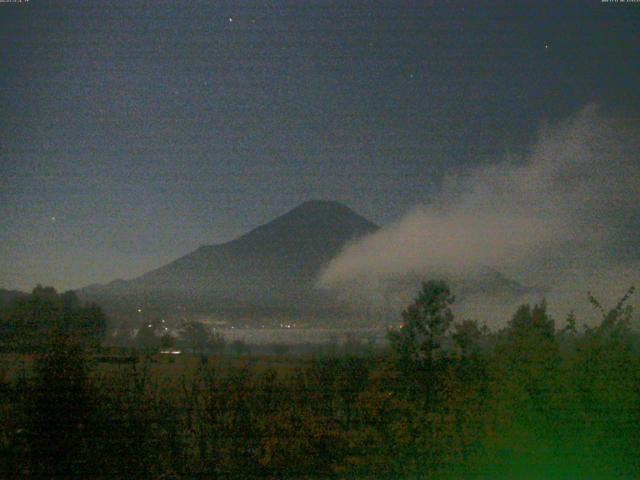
[(31, 322), (448, 399)]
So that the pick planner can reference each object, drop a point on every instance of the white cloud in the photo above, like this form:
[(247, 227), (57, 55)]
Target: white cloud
[(564, 215)]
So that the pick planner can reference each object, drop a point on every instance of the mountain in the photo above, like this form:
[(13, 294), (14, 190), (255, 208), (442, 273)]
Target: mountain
[(271, 273), (288, 251), (271, 269)]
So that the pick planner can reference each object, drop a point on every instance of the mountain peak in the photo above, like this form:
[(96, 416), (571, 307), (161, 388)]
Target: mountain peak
[(322, 205), (273, 266), (326, 219), (319, 211)]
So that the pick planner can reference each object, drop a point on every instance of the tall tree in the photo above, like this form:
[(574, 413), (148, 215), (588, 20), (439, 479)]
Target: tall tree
[(196, 334), (425, 322)]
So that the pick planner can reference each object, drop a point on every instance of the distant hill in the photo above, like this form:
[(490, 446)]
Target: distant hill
[(269, 270)]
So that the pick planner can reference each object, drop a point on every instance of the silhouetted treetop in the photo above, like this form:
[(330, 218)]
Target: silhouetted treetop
[(425, 321), (36, 318)]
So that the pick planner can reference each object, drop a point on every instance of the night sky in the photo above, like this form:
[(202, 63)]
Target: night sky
[(133, 132)]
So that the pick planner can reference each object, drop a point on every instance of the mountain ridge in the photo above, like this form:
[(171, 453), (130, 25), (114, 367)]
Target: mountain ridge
[(272, 271), (271, 266)]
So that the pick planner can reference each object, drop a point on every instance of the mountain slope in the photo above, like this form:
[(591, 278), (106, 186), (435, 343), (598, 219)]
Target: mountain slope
[(274, 263), (272, 270)]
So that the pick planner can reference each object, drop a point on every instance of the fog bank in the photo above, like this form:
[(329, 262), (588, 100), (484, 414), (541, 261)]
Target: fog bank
[(565, 218)]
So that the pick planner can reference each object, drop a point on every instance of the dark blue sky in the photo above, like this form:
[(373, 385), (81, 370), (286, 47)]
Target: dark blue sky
[(133, 132)]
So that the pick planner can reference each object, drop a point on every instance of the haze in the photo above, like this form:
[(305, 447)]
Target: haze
[(563, 217)]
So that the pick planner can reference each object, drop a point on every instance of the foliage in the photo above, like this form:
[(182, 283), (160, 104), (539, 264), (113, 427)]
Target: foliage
[(425, 322), (535, 403), (199, 337), (466, 336), (146, 337), (44, 314), (59, 410), (534, 321), (167, 341)]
